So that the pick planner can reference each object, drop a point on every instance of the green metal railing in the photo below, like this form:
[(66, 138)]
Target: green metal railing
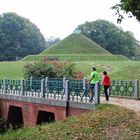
[(123, 89), (66, 89)]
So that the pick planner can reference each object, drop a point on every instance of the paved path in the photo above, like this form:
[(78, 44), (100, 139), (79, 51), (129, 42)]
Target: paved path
[(127, 103)]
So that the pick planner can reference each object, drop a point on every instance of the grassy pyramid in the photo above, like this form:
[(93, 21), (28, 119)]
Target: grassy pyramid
[(76, 44), (76, 47)]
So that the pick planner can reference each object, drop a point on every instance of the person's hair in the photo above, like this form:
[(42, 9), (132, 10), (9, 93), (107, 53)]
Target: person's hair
[(104, 73), (93, 68)]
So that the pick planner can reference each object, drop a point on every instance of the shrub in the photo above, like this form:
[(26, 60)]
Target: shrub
[(78, 75), (51, 69)]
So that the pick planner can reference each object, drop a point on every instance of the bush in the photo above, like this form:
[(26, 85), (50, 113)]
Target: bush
[(51, 69)]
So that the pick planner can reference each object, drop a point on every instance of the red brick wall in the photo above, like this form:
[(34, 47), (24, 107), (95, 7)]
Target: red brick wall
[(30, 111), (76, 111)]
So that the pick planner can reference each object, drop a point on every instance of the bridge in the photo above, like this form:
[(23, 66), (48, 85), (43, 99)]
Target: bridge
[(32, 102)]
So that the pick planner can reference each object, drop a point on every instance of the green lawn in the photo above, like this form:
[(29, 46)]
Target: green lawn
[(12, 70), (118, 70), (76, 57)]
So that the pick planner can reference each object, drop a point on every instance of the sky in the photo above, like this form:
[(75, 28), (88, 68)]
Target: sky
[(59, 18)]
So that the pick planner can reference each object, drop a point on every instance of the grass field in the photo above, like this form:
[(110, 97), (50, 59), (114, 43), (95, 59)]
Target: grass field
[(118, 70), (76, 57), (12, 70)]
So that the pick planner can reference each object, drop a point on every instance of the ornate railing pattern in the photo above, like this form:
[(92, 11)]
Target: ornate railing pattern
[(12, 86), (123, 88), (54, 88), (2, 86), (66, 89), (79, 90), (50, 88), (31, 88)]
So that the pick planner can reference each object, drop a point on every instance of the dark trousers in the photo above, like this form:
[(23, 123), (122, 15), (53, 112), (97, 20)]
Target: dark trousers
[(106, 93), (92, 86)]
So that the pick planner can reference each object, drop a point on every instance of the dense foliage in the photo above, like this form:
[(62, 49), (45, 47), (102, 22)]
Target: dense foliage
[(51, 69), (18, 37), (130, 7), (110, 37)]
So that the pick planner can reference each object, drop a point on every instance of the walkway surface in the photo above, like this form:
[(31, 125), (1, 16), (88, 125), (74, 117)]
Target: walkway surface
[(127, 103)]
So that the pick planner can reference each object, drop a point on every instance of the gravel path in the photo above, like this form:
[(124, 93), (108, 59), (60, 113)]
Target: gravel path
[(127, 103)]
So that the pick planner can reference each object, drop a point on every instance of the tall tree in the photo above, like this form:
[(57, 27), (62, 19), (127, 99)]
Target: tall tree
[(110, 37), (19, 37), (130, 7)]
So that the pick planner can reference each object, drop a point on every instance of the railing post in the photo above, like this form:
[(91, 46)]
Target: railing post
[(4, 84), (67, 98), (84, 83), (136, 88), (97, 93), (64, 84), (22, 87), (42, 88), (31, 81), (66, 91), (46, 81)]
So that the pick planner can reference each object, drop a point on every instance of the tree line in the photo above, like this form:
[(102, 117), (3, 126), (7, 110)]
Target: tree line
[(111, 37), (19, 37)]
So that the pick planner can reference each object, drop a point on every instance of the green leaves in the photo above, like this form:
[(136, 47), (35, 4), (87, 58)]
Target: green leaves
[(19, 37), (110, 37), (54, 69), (130, 7)]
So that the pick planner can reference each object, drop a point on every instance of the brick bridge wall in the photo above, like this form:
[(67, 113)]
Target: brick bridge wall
[(31, 106)]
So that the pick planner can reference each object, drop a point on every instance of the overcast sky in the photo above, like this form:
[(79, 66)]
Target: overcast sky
[(60, 17)]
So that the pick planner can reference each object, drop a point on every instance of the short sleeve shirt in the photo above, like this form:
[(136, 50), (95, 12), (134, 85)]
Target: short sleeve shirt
[(95, 76)]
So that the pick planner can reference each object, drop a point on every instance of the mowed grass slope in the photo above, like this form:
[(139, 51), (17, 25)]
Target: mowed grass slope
[(75, 57), (76, 47), (76, 44)]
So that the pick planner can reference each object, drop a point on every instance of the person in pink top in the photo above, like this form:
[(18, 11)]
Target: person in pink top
[(106, 84)]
